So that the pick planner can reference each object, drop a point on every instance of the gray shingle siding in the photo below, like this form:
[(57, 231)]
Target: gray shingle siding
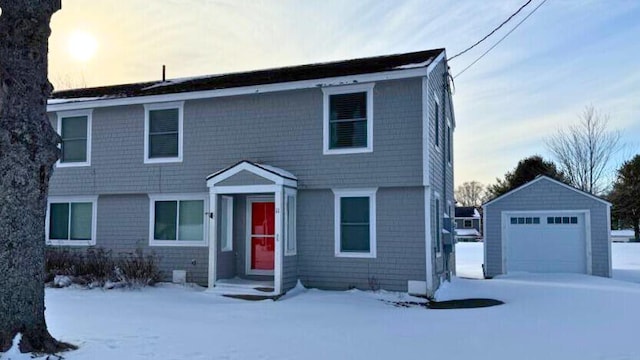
[(440, 177), (547, 195), (123, 226), (400, 242), (282, 129)]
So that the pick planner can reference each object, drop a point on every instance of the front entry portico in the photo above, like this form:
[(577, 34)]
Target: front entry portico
[(248, 217)]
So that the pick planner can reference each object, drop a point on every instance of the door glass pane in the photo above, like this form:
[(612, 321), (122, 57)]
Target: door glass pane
[(165, 220), (191, 220), (263, 218), (81, 221), (59, 221)]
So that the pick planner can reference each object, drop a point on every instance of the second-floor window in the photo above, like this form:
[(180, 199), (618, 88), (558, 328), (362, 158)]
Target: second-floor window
[(348, 119), (163, 132), (75, 134)]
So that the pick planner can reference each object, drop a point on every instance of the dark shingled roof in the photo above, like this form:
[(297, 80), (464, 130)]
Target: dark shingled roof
[(465, 211), (259, 77)]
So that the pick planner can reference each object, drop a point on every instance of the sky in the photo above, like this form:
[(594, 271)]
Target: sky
[(564, 57)]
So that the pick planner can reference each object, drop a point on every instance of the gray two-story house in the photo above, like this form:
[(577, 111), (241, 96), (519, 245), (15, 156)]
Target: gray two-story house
[(337, 174)]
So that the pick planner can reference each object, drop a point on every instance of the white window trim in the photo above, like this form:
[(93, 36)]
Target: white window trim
[(371, 194), (178, 197), (293, 194), (327, 92), (66, 114), (437, 143), (439, 228), (229, 214), (73, 199), (163, 106)]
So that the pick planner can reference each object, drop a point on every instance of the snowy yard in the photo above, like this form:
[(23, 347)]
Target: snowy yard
[(545, 317)]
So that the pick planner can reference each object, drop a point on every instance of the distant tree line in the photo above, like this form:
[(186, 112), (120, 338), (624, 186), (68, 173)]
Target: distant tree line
[(583, 154)]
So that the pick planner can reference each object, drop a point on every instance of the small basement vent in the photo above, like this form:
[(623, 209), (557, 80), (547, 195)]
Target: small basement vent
[(179, 276)]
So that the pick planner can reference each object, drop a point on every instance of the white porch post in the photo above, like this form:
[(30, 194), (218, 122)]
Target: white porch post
[(277, 275), (213, 239)]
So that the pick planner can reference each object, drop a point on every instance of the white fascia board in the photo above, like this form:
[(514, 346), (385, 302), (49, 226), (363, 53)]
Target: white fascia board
[(256, 89), (254, 169), (540, 178), (436, 61)]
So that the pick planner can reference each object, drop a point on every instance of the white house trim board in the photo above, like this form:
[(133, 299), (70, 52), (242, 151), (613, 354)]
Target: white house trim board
[(75, 104), (436, 61), (347, 89), (505, 215), (163, 106), (279, 248), (425, 132), (178, 197), (366, 192), (73, 199), (541, 178), (245, 189), (290, 238), (66, 114), (609, 240), (255, 169), (213, 245)]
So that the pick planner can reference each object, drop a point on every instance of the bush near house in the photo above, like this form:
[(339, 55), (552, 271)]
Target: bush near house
[(97, 267)]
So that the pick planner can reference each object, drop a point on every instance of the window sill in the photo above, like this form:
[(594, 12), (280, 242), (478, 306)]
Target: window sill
[(291, 253), (345, 151), (73, 164), (175, 243), (163, 160), (71, 242), (368, 255)]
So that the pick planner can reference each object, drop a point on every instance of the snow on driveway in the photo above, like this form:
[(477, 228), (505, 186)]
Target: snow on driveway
[(544, 317)]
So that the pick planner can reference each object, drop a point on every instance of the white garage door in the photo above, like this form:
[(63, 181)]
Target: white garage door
[(546, 242)]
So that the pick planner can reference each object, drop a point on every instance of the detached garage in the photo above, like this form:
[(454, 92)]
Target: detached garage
[(547, 226)]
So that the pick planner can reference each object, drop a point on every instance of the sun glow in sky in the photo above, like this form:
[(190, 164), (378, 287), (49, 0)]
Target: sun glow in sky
[(82, 46), (568, 55)]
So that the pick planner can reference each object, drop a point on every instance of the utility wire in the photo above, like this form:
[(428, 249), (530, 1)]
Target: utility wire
[(491, 33), (499, 41)]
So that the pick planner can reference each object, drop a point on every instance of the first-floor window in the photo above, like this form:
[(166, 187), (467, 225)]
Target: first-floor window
[(71, 222), (355, 232), (177, 221)]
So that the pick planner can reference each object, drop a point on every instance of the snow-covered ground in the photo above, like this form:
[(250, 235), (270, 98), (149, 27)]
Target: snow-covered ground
[(544, 317)]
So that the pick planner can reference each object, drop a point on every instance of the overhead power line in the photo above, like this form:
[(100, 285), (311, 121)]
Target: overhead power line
[(492, 32), (499, 41)]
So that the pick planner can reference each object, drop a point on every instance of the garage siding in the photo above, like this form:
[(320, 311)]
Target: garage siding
[(546, 194)]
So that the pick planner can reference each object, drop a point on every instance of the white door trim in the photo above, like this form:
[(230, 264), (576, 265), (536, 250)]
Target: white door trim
[(247, 262), (587, 228)]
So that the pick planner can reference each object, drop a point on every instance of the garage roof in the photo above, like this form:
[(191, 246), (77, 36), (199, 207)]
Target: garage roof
[(546, 178)]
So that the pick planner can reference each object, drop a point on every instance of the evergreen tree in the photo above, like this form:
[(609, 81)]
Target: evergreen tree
[(625, 195)]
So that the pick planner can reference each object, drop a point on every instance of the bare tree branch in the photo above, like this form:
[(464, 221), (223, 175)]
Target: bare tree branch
[(470, 193), (585, 149)]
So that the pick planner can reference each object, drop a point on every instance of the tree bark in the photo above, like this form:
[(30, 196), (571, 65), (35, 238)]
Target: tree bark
[(28, 150)]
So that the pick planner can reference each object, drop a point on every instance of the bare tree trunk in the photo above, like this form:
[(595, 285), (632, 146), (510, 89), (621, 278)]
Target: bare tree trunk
[(28, 150)]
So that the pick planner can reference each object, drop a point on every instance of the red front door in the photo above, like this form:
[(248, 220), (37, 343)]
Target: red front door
[(262, 235)]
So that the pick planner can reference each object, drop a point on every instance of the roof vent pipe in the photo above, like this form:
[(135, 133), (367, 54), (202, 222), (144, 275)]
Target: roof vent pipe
[(164, 71)]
